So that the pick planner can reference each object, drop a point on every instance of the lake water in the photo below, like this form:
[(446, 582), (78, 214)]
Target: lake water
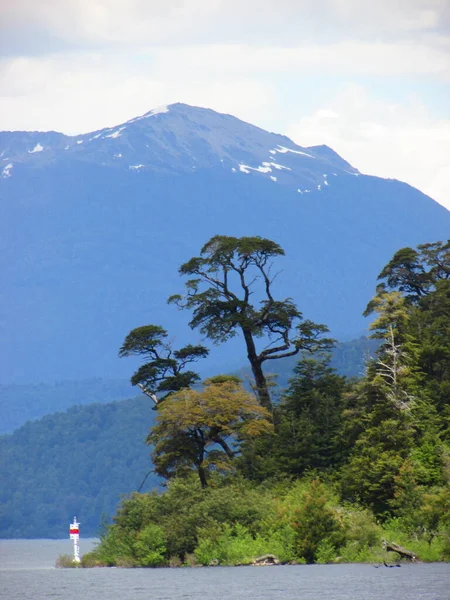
[(27, 572)]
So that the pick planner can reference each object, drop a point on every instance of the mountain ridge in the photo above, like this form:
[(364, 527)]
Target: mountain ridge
[(151, 142)]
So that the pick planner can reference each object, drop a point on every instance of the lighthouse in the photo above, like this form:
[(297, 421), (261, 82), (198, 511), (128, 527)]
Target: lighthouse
[(74, 531)]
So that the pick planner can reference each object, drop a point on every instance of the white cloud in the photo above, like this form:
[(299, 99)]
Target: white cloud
[(389, 140), (79, 93), (349, 58), (104, 23)]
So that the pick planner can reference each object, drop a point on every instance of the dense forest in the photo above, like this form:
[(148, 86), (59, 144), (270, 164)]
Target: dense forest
[(79, 462), (333, 469)]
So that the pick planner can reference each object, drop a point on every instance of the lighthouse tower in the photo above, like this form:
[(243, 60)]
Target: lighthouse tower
[(74, 530)]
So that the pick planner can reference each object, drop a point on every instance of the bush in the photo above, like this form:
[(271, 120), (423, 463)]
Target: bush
[(150, 547), (315, 522), (65, 561)]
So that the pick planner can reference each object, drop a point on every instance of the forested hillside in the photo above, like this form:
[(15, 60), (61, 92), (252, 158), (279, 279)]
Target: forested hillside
[(21, 403), (79, 462)]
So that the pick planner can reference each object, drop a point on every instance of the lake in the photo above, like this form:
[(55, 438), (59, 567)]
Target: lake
[(27, 572)]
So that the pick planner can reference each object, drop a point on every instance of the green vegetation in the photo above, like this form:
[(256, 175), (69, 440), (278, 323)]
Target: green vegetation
[(81, 462), (337, 469)]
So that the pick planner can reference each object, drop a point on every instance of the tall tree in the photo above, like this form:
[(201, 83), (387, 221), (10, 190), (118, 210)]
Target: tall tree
[(165, 369), (194, 428), (225, 300)]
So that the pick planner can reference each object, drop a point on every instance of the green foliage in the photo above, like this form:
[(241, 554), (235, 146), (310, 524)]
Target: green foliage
[(65, 561), (220, 293), (309, 418), (315, 523), (231, 545), (164, 370), (150, 546), (194, 429)]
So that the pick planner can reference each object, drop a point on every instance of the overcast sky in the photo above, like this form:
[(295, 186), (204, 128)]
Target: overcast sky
[(370, 78)]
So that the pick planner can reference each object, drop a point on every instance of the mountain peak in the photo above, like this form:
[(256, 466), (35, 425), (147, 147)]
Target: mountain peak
[(176, 139)]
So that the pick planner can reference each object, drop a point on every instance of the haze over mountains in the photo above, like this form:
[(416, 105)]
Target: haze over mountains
[(93, 229)]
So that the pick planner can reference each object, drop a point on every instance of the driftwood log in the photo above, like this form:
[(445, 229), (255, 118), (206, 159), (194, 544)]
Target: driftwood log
[(265, 560), (404, 553)]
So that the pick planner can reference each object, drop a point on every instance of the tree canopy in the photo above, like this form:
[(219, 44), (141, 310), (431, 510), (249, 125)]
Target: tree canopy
[(231, 292), (204, 429), (164, 370)]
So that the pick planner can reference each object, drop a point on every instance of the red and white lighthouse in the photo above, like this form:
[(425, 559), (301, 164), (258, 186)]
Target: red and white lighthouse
[(74, 531)]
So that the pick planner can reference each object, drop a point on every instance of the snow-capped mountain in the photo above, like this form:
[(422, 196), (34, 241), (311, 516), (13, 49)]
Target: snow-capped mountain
[(180, 139), (94, 227)]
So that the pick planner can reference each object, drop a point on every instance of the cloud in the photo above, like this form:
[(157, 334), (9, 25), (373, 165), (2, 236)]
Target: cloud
[(28, 25), (79, 93), (349, 58), (397, 141)]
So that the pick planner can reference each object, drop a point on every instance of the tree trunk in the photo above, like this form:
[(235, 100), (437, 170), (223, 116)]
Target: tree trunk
[(393, 547), (201, 457), (262, 391), (202, 476), (219, 440)]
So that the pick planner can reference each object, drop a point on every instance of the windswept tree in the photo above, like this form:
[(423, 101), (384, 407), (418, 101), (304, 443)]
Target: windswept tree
[(165, 368), (203, 430), (229, 291), (415, 272)]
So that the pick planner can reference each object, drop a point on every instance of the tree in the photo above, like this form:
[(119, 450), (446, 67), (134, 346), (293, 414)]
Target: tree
[(165, 369), (314, 522), (396, 362), (416, 272), (309, 418), (204, 429), (220, 295)]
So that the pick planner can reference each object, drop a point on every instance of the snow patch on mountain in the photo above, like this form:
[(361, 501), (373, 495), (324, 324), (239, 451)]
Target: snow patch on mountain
[(280, 167), (7, 170), (37, 148), (261, 169), (115, 134), (265, 167), (284, 150), (159, 110)]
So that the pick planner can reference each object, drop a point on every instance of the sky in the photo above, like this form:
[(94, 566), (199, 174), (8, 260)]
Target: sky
[(370, 78)]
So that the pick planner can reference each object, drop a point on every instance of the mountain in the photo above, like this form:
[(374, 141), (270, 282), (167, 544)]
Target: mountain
[(94, 227)]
